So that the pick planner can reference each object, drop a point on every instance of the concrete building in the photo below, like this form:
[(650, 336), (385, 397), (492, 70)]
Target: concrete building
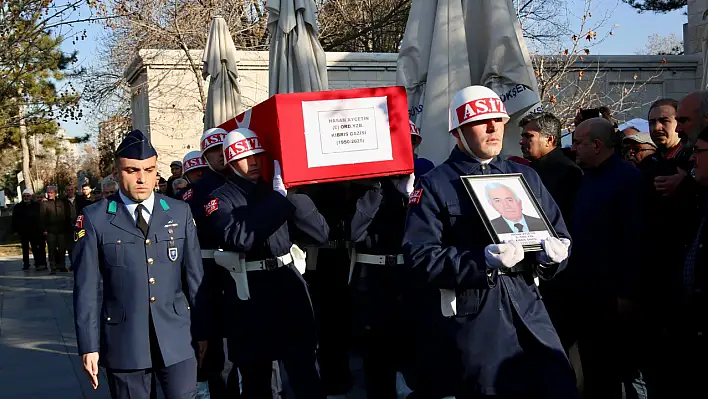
[(166, 98)]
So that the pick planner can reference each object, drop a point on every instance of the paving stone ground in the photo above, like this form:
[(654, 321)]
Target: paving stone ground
[(38, 355)]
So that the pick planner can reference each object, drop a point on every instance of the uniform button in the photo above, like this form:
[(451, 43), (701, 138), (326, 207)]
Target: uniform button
[(152, 280), (700, 333), (189, 308), (118, 242), (152, 299), (149, 261), (108, 319), (170, 231), (147, 242)]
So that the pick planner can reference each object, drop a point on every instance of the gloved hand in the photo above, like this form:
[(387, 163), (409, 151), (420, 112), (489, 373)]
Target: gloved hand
[(278, 185), (554, 251), (404, 184), (507, 254)]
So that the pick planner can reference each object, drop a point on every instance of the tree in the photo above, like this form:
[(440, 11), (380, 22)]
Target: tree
[(660, 6), (31, 67), (362, 26), (663, 45)]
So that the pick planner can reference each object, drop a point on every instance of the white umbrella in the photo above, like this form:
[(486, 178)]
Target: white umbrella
[(433, 66), (224, 96), (297, 62), (499, 60), (451, 44)]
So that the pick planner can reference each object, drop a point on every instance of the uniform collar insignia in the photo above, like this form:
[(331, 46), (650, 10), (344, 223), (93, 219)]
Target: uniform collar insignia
[(112, 207), (164, 205)]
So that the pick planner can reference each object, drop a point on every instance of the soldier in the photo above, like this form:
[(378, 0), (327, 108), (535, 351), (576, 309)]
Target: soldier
[(134, 246), (267, 306), (378, 280), (493, 336), (206, 172)]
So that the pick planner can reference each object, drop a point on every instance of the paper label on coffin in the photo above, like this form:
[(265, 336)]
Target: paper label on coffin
[(347, 131)]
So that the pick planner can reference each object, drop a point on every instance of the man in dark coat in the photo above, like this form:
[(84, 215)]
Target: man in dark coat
[(607, 229), (540, 144), (482, 327), (135, 247), (54, 222), (25, 221)]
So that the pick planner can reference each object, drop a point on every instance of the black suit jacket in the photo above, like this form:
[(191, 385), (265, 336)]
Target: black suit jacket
[(502, 227)]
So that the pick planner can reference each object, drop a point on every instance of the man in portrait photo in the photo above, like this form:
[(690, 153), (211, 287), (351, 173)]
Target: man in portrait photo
[(512, 220)]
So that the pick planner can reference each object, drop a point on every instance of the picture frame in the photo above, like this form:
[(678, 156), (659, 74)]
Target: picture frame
[(509, 209)]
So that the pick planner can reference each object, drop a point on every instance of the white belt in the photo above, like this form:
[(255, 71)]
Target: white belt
[(388, 260), (269, 264), (208, 253)]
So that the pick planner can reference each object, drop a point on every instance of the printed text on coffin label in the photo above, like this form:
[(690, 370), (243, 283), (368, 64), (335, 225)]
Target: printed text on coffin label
[(348, 130)]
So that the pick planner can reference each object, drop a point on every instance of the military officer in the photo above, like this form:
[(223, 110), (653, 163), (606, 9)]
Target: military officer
[(483, 329), (379, 279), (267, 306), (197, 195), (134, 246)]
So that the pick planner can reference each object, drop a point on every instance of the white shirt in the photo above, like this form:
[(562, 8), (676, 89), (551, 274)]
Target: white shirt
[(131, 206), (514, 228)]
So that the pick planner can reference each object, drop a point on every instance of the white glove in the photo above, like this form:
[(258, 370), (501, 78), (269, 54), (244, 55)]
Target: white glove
[(278, 184), (507, 254), (554, 251), (405, 184)]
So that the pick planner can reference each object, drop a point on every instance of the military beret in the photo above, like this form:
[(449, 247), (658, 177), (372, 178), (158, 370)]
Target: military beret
[(135, 146)]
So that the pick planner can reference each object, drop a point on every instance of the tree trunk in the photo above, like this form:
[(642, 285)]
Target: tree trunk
[(26, 173)]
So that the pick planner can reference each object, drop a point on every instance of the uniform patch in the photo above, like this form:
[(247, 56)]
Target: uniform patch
[(187, 195), (414, 198), (211, 206), (79, 222), (79, 235), (172, 253)]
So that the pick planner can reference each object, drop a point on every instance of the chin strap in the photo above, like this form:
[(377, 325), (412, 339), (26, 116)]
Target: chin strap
[(464, 143)]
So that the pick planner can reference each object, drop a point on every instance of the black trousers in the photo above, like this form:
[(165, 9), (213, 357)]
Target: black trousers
[(34, 243), (178, 381), (256, 379), (329, 292), (56, 244)]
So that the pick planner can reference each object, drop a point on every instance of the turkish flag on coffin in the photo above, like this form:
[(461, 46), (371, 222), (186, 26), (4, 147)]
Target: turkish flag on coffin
[(333, 135)]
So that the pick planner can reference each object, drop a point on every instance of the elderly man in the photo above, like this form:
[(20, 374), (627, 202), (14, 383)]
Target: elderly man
[(54, 220), (638, 147), (176, 169), (108, 187), (604, 259), (512, 219), (481, 327)]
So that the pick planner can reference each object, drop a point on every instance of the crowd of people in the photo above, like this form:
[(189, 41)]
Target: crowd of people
[(404, 270)]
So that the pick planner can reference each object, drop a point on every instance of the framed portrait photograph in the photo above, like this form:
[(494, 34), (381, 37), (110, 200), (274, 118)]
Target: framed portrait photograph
[(509, 209)]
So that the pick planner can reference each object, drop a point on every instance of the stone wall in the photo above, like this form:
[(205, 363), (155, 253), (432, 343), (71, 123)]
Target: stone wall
[(166, 101)]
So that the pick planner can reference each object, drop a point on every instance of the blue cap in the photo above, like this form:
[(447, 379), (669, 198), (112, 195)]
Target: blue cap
[(135, 146)]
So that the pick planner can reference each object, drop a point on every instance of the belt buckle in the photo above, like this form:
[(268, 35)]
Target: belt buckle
[(391, 260), (270, 264)]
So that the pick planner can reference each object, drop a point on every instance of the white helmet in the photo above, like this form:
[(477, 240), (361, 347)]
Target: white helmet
[(192, 160), (211, 138), (27, 191), (475, 103), (415, 132), (241, 143)]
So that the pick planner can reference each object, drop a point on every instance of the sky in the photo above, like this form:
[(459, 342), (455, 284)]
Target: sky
[(630, 37)]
